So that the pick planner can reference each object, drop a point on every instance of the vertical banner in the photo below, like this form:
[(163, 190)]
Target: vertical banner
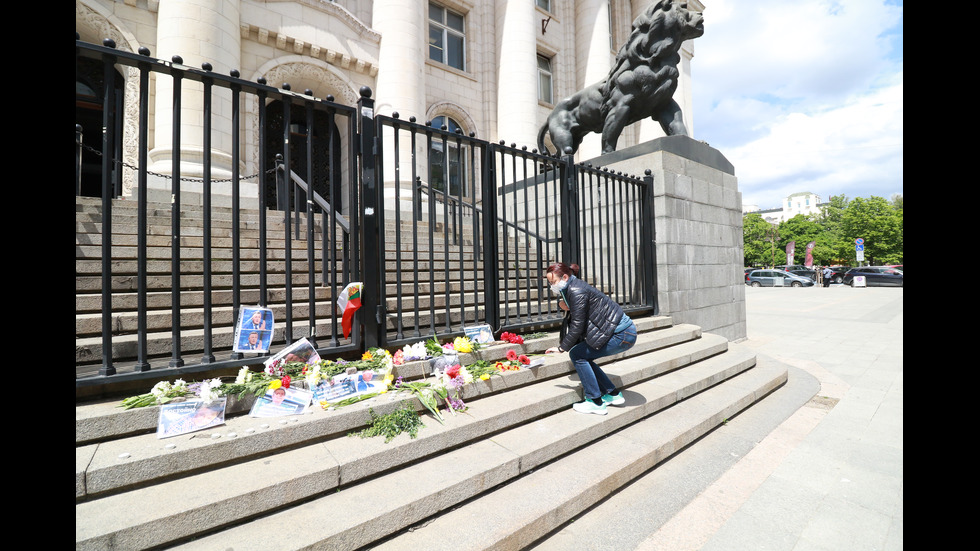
[(808, 262), (790, 250)]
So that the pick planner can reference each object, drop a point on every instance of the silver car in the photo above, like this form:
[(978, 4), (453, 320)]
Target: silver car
[(777, 278)]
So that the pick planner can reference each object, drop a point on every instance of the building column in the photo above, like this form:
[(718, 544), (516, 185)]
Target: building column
[(401, 82), (594, 54), (182, 26), (517, 66)]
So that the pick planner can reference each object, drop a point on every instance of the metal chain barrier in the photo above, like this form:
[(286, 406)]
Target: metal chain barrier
[(168, 176)]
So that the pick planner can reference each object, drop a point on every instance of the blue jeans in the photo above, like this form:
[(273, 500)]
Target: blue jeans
[(595, 383)]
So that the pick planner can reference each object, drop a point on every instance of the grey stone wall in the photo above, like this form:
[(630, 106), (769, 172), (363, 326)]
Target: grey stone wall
[(698, 211)]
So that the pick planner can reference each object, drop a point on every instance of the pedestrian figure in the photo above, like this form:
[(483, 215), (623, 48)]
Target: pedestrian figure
[(597, 327)]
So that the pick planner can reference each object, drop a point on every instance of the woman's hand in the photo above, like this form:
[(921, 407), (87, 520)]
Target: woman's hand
[(552, 350)]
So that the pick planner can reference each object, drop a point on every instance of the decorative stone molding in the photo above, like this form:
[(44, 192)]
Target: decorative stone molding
[(299, 72), (341, 14), (455, 112), (296, 46)]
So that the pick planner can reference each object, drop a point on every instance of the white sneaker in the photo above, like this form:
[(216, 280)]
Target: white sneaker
[(613, 399), (588, 406)]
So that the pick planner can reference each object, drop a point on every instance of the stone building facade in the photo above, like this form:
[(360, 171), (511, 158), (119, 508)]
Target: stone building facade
[(494, 68)]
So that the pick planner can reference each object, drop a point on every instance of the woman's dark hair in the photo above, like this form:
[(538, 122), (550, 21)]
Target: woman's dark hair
[(561, 269)]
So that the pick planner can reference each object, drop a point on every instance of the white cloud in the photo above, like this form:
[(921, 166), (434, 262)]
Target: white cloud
[(803, 96)]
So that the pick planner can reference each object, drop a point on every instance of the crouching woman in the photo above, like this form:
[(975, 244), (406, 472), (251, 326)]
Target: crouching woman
[(597, 327)]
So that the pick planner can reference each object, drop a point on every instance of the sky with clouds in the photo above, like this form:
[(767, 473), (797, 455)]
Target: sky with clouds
[(804, 95)]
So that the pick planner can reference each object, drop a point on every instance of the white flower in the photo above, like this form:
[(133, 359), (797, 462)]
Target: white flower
[(415, 351), (160, 389), (210, 390), (244, 376), (313, 374)]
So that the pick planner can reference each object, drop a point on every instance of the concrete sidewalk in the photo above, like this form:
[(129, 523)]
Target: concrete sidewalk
[(830, 476)]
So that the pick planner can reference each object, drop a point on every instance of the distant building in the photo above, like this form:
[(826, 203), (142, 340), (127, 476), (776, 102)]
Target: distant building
[(804, 203)]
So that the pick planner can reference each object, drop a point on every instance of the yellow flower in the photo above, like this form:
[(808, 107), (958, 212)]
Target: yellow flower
[(484, 377), (367, 355), (463, 344), (275, 384)]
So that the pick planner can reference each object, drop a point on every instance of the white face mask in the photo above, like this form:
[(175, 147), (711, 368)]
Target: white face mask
[(559, 286)]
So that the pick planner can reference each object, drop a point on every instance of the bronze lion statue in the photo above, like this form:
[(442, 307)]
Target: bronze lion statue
[(641, 83)]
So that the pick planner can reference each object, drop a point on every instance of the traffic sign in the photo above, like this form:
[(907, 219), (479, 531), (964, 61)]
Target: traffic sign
[(859, 241)]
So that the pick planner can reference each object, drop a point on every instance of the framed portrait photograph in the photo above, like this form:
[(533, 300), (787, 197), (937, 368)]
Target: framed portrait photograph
[(281, 401), (479, 333), (253, 333), (348, 385), (300, 351), (190, 416)]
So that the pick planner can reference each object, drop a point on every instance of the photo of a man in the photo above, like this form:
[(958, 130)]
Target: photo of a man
[(254, 330), (280, 402)]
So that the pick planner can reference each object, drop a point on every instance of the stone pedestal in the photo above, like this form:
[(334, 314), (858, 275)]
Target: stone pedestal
[(698, 211)]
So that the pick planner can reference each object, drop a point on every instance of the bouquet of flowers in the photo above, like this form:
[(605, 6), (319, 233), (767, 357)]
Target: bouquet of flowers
[(424, 392), (453, 380), (483, 370), (512, 338), (464, 345), (413, 352), (161, 393), (164, 392), (513, 362)]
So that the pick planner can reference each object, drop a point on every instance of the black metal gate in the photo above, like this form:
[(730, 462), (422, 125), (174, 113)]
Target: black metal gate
[(444, 230)]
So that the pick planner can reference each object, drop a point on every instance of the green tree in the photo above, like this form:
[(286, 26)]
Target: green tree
[(879, 224), (832, 247), (801, 229), (755, 247)]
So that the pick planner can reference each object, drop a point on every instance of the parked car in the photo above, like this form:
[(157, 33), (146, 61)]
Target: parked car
[(876, 276), (777, 278), (839, 272), (812, 274)]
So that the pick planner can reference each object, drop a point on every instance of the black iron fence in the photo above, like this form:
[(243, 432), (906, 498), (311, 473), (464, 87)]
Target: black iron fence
[(444, 231)]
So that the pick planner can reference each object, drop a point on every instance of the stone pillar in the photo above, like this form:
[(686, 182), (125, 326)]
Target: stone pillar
[(517, 65), (401, 58), (594, 54), (698, 220), (400, 87), (198, 31)]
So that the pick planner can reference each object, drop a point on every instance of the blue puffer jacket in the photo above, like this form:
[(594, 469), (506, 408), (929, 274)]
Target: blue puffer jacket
[(592, 315)]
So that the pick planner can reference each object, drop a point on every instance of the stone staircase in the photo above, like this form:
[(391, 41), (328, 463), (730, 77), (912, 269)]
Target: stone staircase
[(512, 469), (508, 473)]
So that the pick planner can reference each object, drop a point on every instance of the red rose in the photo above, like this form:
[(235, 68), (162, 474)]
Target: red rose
[(524, 359), (511, 355), (453, 372), (285, 381), (517, 339)]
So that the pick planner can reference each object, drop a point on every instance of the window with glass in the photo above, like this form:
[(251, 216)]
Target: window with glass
[(545, 89), (447, 160), (447, 37), (544, 4)]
